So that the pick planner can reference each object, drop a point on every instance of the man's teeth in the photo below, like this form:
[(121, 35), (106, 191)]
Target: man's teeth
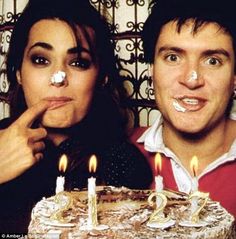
[(178, 107), (190, 101)]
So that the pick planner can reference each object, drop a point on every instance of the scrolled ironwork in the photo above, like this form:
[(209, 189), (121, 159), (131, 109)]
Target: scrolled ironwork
[(135, 2), (128, 51)]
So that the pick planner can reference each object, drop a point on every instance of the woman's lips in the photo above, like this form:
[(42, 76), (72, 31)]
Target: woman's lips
[(56, 102), (189, 103)]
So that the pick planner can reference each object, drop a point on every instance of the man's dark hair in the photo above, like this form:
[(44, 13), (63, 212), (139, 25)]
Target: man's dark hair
[(221, 12)]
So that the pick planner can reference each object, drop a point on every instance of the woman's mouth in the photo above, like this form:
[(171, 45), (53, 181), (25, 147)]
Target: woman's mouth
[(56, 102)]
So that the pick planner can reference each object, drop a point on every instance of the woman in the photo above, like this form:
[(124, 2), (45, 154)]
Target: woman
[(64, 101)]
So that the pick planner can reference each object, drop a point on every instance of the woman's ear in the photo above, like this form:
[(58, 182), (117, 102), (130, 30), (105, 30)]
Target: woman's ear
[(18, 77)]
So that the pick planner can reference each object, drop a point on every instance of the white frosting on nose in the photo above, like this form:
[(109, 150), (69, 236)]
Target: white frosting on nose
[(193, 76), (58, 77)]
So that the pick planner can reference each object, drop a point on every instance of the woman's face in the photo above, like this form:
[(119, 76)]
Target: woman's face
[(52, 47)]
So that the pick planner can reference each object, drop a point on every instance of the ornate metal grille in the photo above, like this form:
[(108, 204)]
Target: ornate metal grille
[(126, 18)]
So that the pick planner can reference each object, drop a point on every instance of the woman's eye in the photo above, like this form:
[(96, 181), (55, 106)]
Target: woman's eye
[(213, 61), (81, 63), (39, 60)]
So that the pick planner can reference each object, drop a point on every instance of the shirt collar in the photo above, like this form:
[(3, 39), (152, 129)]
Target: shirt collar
[(153, 142)]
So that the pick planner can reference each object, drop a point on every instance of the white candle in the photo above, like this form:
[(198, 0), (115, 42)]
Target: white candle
[(158, 178), (92, 203), (92, 197), (61, 179), (60, 184), (194, 168), (159, 183), (92, 186), (159, 187), (194, 184), (194, 200)]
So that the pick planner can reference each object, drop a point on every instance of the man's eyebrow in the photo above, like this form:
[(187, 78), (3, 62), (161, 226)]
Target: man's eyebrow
[(170, 48), (219, 51)]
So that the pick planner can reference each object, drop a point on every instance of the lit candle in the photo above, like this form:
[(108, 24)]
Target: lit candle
[(158, 178), (61, 179), (158, 218), (194, 168), (92, 197)]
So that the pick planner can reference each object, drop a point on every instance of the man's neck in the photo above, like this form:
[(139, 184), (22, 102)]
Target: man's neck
[(207, 146)]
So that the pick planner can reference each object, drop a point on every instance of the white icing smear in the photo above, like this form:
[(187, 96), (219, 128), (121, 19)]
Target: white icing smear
[(58, 77), (178, 107), (193, 76)]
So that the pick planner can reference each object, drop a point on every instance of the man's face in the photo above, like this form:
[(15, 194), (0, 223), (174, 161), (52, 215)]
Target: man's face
[(193, 76)]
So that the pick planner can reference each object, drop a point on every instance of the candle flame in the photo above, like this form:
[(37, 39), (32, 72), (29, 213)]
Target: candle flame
[(63, 163), (92, 164), (194, 165), (158, 163)]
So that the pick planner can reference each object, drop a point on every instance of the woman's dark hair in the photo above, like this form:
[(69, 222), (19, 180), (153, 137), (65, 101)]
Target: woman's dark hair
[(201, 11), (75, 13)]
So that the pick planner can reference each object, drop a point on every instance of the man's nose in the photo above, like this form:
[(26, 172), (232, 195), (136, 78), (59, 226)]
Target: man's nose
[(192, 79)]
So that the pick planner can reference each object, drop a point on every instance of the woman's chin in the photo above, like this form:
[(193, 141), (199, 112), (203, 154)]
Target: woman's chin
[(56, 122), (61, 119)]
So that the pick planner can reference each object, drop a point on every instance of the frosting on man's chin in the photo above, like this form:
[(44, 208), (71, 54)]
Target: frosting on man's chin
[(178, 107)]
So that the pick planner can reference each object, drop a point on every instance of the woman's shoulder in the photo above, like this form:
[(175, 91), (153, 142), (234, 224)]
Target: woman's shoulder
[(123, 152), (125, 165)]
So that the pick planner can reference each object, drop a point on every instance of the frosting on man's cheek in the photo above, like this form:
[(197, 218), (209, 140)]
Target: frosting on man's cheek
[(178, 107)]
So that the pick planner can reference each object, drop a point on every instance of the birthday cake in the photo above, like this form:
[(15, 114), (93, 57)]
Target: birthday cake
[(122, 213)]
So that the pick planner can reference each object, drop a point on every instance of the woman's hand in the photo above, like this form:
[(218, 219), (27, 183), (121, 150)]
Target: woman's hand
[(21, 146)]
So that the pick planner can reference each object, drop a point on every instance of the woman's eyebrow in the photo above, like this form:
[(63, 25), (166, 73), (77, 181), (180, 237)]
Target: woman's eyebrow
[(72, 50), (80, 49), (42, 44)]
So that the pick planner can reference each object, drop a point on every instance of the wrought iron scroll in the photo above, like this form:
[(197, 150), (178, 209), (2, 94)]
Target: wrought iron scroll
[(126, 19)]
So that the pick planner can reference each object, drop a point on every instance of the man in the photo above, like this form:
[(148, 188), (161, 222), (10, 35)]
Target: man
[(190, 46)]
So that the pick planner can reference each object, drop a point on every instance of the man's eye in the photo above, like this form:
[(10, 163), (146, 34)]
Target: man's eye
[(213, 61), (81, 63), (39, 60), (172, 58)]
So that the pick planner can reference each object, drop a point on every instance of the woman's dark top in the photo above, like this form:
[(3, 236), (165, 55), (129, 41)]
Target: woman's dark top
[(120, 163)]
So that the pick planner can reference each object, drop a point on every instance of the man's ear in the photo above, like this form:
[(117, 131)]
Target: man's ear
[(18, 77)]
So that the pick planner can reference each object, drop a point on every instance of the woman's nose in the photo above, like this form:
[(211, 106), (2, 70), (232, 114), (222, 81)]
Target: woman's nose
[(58, 79)]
